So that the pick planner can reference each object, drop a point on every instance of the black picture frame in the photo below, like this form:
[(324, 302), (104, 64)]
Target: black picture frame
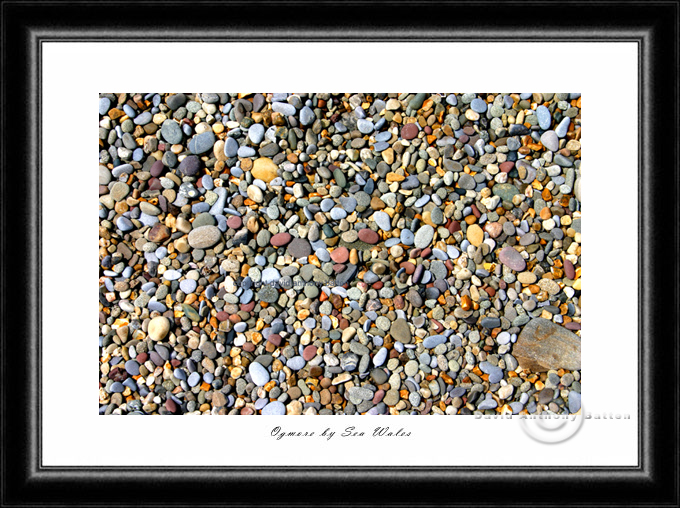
[(653, 26)]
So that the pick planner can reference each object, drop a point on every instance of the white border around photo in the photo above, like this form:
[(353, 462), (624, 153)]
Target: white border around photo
[(606, 74)]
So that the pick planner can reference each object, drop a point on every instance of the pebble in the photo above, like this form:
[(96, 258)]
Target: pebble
[(258, 373), (204, 237), (423, 236), (511, 258), (544, 345)]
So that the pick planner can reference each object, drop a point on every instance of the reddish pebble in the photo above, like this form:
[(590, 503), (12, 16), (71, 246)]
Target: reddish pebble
[(425, 252), (398, 302), (572, 325), (309, 352), (175, 362), (248, 307), (275, 339), (222, 316), (248, 347), (490, 291), (154, 184), (343, 323), (247, 411), (339, 268), (475, 211), (428, 130), (378, 396), (506, 166), (494, 229), (234, 222), (408, 267), (171, 406), (415, 253), (281, 239), (377, 285), (340, 255), (437, 325), (368, 236), (454, 226), (409, 131), (157, 168), (569, 270), (142, 357)]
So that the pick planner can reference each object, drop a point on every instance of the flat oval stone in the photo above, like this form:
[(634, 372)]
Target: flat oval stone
[(512, 259), (275, 408), (409, 131), (296, 363), (259, 374), (171, 132), (550, 140), (190, 165), (281, 239), (424, 236), (299, 248), (475, 235), (478, 105), (202, 143), (204, 237), (230, 147), (369, 236), (543, 115)]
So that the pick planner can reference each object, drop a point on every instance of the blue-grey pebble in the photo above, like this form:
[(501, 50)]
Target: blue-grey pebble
[(116, 387), (188, 286), (194, 379), (275, 408), (433, 341), (246, 151), (365, 126), (171, 132), (383, 136), (256, 133), (258, 373), (383, 220), (574, 402), (307, 116), (338, 213), (202, 143), (143, 119), (207, 182), (478, 105), (124, 224), (407, 237), (230, 147), (284, 108), (132, 367), (563, 127), (296, 363), (104, 105), (129, 111), (543, 115)]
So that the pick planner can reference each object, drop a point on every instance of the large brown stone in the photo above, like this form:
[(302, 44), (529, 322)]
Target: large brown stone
[(544, 345)]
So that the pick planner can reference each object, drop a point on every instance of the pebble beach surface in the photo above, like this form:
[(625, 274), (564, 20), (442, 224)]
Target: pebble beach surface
[(398, 254)]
